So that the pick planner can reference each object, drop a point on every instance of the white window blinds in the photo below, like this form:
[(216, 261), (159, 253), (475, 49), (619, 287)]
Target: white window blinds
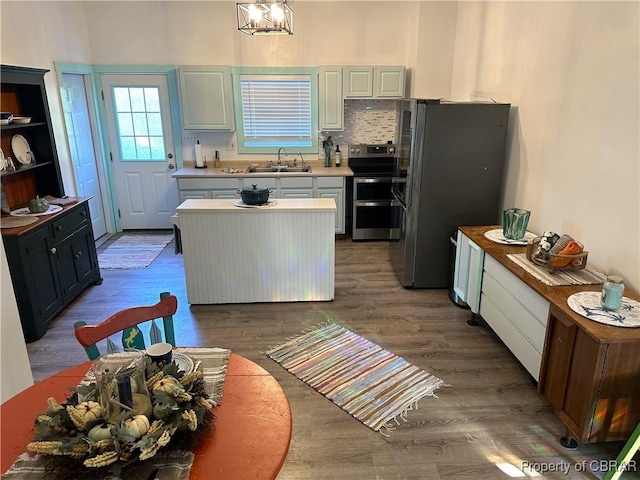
[(276, 110)]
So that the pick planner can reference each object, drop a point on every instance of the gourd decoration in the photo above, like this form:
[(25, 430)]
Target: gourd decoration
[(38, 205), (136, 426), (100, 432)]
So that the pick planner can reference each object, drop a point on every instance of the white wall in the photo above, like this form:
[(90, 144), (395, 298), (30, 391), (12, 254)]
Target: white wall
[(15, 370), (35, 34), (571, 69)]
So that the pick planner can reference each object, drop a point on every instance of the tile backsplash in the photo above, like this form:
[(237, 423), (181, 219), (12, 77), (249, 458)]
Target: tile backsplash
[(366, 121)]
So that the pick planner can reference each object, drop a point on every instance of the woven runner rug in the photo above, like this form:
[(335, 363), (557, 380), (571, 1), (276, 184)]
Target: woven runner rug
[(371, 384), (587, 276), (133, 251)]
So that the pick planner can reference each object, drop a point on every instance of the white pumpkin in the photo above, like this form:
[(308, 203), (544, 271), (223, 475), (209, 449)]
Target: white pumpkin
[(168, 385), (100, 432), (136, 426), (89, 411)]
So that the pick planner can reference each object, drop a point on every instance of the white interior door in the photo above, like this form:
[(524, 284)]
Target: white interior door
[(141, 142), (75, 104)]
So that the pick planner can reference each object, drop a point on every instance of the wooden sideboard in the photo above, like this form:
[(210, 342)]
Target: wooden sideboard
[(588, 371)]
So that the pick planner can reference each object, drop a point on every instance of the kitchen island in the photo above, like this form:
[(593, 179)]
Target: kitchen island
[(283, 252)]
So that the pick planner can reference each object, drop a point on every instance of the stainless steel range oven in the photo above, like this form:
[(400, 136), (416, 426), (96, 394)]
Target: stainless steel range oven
[(372, 167)]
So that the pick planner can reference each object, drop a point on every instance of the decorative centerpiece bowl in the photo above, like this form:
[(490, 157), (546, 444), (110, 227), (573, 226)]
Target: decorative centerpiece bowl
[(123, 416)]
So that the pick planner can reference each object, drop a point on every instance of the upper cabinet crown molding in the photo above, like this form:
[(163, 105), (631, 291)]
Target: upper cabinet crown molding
[(206, 97)]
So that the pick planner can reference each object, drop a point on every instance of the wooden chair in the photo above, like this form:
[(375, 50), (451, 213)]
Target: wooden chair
[(127, 321)]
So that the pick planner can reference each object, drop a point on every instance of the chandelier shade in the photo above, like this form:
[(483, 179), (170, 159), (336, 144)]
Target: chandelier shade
[(265, 18)]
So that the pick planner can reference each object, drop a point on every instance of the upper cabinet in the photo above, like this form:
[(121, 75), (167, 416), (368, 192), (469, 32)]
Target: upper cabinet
[(330, 105), (358, 82), (30, 145), (367, 82), (206, 97), (374, 82), (388, 82)]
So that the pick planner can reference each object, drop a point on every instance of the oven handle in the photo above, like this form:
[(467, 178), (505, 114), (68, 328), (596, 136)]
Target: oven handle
[(373, 180), (369, 203)]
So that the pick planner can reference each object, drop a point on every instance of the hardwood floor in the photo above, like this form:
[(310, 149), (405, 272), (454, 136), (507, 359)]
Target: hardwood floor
[(490, 415)]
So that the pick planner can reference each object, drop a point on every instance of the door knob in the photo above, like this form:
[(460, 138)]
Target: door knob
[(170, 155), (171, 166), (53, 250)]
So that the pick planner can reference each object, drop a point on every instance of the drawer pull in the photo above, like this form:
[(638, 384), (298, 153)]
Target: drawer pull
[(83, 213), (78, 255), (59, 228), (54, 250)]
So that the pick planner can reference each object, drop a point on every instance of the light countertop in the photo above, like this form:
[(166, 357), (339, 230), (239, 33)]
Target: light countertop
[(317, 170), (280, 205)]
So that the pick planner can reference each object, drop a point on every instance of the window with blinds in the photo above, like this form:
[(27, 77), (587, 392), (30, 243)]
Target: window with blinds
[(277, 107)]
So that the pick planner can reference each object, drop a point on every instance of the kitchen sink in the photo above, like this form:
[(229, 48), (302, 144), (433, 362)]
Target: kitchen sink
[(278, 169)]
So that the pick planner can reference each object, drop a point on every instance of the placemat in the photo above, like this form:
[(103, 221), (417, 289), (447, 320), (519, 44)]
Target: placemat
[(586, 276), (212, 362), (588, 305), (12, 222)]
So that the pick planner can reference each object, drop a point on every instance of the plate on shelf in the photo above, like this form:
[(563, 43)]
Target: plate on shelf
[(497, 236), (183, 362), (588, 305), (25, 212), (21, 149), (3, 161), (240, 203)]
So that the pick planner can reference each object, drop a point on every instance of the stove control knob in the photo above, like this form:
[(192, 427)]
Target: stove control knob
[(392, 150)]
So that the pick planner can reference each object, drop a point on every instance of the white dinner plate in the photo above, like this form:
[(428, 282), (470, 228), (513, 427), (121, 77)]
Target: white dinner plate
[(25, 212), (3, 161), (21, 149), (183, 362), (498, 237)]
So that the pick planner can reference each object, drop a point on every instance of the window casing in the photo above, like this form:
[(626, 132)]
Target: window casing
[(275, 108)]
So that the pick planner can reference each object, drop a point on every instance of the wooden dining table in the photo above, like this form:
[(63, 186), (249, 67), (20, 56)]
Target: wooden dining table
[(252, 427)]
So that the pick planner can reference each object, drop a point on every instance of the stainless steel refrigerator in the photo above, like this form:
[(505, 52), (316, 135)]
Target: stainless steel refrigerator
[(448, 171)]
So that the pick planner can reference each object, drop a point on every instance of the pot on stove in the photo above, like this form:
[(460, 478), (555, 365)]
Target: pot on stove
[(255, 195)]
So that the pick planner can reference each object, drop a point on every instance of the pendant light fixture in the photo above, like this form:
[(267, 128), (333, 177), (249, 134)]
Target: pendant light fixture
[(264, 17)]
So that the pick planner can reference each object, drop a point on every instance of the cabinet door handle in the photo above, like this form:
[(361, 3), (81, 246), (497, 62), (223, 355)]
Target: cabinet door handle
[(78, 255), (53, 250), (83, 213), (59, 227)]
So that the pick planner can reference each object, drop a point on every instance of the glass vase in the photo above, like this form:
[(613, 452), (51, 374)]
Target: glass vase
[(515, 222), (121, 383)]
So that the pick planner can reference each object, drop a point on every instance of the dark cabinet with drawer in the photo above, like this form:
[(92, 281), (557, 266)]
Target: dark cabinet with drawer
[(50, 264)]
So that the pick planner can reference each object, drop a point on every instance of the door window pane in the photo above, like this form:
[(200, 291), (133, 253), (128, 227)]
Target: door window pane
[(139, 123)]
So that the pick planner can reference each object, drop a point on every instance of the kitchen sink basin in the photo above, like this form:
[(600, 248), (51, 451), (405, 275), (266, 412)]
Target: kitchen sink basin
[(278, 169)]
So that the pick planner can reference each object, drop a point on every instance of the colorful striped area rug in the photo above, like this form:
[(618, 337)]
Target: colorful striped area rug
[(371, 384)]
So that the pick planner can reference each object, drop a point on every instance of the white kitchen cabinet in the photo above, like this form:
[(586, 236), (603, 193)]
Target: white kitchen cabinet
[(516, 313), (206, 97), (389, 82), (467, 277), (333, 187), (201, 188), (296, 187), (358, 81), (330, 100), (374, 81), (290, 187)]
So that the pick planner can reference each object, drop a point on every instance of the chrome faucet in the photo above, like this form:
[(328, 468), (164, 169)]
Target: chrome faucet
[(280, 150)]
